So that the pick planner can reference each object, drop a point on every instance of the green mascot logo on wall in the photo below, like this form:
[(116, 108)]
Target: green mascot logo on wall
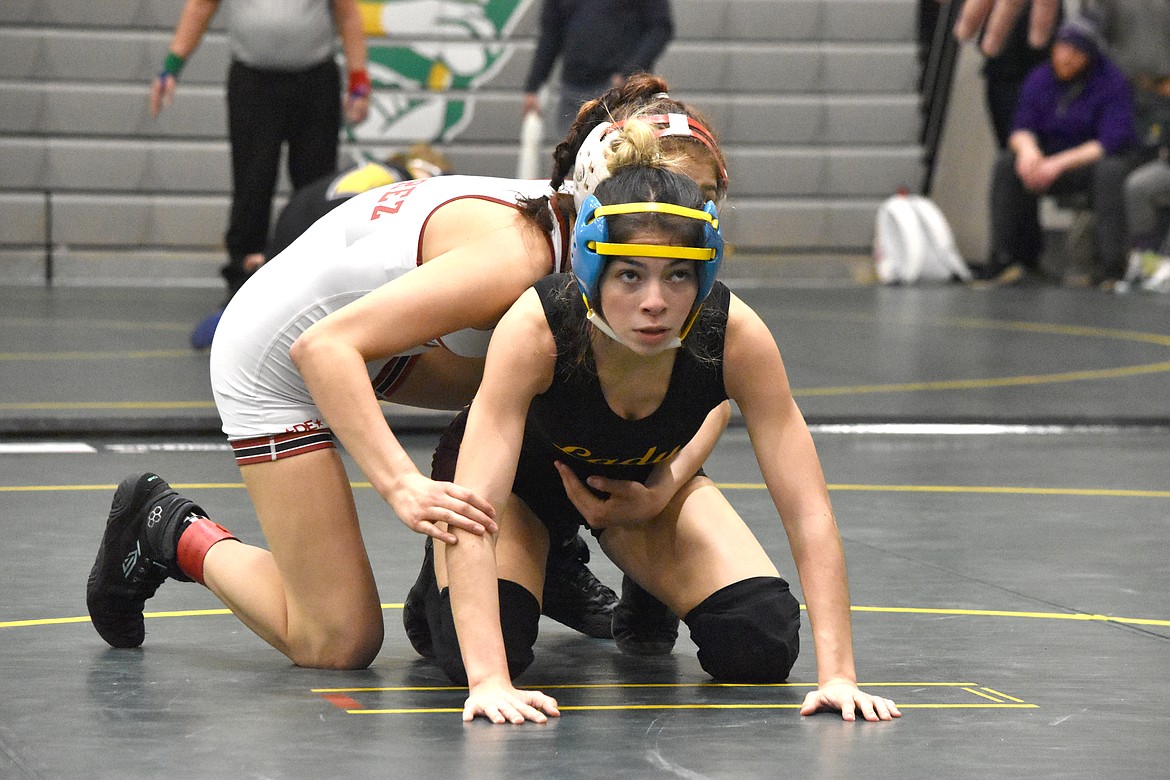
[(426, 59)]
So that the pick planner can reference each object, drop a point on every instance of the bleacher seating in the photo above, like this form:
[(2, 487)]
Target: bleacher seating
[(814, 101)]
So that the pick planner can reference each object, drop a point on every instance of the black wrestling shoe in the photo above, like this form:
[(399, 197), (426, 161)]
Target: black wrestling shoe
[(573, 596), (643, 625), (414, 609), (136, 555)]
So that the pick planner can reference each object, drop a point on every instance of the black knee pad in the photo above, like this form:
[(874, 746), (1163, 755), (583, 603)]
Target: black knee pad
[(519, 619), (748, 631)]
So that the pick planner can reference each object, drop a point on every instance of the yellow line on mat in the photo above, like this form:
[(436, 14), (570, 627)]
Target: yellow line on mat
[(977, 384), (63, 405), (96, 355), (611, 707), (1076, 616), (1081, 616), (982, 489), (1003, 695), (984, 695), (608, 686), (985, 489)]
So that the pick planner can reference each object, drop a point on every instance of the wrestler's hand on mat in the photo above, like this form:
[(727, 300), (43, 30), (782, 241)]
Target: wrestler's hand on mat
[(421, 502), (604, 502), (500, 702), (843, 695), (1000, 16)]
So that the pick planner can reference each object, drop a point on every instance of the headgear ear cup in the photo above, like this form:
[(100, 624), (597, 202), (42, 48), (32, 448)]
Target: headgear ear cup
[(586, 263), (591, 166), (712, 239)]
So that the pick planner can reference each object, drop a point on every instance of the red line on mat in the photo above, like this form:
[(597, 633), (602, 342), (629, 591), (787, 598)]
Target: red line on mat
[(342, 701)]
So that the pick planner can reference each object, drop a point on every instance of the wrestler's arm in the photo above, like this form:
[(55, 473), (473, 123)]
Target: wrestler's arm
[(520, 365), (470, 285), (756, 380)]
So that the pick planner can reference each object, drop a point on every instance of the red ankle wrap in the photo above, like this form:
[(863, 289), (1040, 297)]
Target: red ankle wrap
[(194, 543)]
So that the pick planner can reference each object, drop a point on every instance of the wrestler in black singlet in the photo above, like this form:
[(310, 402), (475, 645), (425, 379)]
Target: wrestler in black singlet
[(573, 423)]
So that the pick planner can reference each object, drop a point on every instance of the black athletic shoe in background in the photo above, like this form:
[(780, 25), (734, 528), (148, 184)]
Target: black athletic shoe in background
[(136, 555), (643, 625), (573, 596), (414, 610)]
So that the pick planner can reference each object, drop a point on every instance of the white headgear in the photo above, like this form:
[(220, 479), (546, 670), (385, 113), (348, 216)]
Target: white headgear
[(592, 163), (592, 166)]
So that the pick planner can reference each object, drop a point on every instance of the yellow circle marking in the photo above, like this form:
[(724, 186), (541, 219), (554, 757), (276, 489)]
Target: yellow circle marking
[(595, 707), (1080, 331), (137, 354), (900, 387), (111, 405), (34, 322), (843, 487), (972, 384), (726, 486), (1074, 616)]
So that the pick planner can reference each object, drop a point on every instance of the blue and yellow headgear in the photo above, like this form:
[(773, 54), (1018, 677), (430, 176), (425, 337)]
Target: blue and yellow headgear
[(591, 248)]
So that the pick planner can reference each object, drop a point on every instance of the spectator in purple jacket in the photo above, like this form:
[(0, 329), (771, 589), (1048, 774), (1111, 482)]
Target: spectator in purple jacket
[(1073, 127)]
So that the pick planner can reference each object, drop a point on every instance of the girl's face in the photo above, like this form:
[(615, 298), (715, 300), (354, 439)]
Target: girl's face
[(701, 167), (646, 300)]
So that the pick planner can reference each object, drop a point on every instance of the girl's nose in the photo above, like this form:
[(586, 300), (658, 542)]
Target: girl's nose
[(654, 300)]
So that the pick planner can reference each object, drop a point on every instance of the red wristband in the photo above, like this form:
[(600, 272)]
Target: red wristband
[(359, 83)]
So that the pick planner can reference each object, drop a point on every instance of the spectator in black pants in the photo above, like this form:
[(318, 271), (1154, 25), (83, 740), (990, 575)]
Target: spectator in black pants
[(302, 110), (283, 86)]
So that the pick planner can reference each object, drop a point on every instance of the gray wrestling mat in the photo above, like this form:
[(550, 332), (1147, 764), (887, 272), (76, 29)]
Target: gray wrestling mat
[(1007, 562)]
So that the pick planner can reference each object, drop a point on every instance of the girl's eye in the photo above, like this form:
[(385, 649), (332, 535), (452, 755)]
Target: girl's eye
[(682, 274)]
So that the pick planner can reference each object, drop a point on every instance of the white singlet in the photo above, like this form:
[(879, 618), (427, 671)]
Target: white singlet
[(362, 244)]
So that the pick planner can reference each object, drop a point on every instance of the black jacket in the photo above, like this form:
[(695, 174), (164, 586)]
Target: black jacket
[(598, 38)]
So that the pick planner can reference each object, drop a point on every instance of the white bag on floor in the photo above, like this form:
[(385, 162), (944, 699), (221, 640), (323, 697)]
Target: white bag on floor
[(913, 242)]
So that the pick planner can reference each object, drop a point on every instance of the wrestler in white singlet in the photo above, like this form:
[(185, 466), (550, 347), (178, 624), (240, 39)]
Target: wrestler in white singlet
[(362, 244)]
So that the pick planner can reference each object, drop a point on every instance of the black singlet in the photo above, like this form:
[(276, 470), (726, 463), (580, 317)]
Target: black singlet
[(572, 422)]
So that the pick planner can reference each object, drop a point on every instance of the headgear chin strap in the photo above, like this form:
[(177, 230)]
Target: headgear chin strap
[(592, 163), (591, 247)]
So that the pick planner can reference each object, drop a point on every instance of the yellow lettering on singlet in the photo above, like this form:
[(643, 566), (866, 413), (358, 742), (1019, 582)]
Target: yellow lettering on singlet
[(647, 459)]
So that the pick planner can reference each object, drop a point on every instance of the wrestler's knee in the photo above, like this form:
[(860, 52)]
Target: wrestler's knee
[(748, 631), (519, 621), (341, 647)]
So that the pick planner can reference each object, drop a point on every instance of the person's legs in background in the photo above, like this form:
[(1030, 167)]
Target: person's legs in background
[(1016, 239), (1147, 204), (1145, 190), (1107, 194), (313, 117), (255, 130), (572, 96), (1001, 95)]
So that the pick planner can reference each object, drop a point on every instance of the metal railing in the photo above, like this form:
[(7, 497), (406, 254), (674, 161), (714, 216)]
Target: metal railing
[(937, 80)]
